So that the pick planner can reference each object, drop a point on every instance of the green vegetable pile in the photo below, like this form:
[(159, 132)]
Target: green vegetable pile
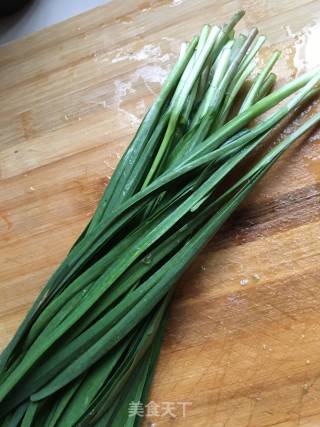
[(89, 345)]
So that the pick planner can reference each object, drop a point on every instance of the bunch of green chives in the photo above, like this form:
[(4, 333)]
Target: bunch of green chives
[(89, 345)]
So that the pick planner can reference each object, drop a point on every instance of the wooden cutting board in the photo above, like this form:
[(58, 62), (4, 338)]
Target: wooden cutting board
[(243, 342)]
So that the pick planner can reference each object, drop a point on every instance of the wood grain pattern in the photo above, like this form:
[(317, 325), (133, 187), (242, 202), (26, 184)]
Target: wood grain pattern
[(71, 98)]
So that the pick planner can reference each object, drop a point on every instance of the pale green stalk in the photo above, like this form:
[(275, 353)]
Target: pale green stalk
[(220, 70), (266, 86), (230, 96), (256, 86), (250, 55), (177, 108)]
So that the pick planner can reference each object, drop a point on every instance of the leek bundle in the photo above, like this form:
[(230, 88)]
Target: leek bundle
[(89, 345)]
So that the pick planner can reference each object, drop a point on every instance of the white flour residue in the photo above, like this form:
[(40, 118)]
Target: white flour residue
[(141, 108), (122, 89), (176, 3), (174, 44), (151, 74), (306, 47), (149, 52), (315, 136)]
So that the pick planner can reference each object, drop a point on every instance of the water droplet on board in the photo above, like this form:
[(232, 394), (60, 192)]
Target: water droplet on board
[(147, 259), (244, 282), (256, 277)]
